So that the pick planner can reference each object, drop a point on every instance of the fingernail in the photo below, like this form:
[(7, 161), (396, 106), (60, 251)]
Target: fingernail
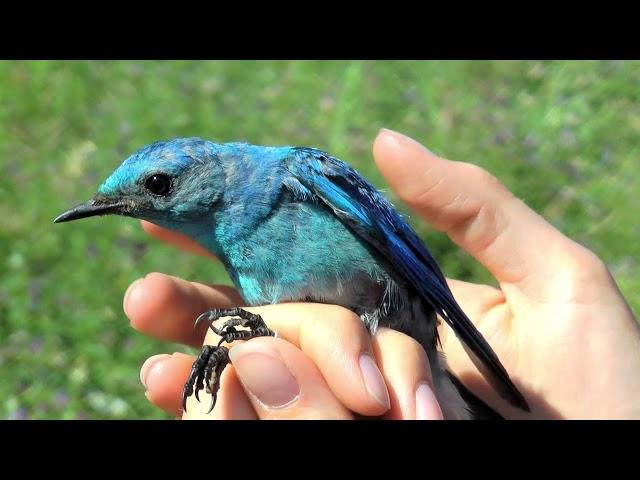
[(400, 137), (149, 364), (427, 407), (263, 373), (373, 380), (390, 132), (126, 296)]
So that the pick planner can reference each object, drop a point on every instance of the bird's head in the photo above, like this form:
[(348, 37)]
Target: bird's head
[(169, 183)]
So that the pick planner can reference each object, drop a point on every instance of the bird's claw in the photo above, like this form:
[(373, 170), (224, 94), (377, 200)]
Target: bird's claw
[(201, 318), (206, 373), (208, 367)]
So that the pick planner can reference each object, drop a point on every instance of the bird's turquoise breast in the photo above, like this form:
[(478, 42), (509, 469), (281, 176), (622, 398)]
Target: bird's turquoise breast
[(304, 252)]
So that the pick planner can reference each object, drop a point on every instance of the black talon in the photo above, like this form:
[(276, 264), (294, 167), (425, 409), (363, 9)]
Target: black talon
[(208, 367), (201, 318), (185, 394)]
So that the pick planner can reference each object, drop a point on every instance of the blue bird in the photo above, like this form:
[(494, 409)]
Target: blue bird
[(345, 244)]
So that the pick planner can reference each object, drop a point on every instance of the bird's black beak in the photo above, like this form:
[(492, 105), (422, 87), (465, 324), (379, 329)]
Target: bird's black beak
[(93, 207)]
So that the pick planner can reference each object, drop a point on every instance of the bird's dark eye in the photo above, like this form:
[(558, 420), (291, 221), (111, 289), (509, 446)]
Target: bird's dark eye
[(158, 184)]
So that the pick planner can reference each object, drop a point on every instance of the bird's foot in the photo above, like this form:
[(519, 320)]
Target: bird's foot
[(252, 322), (208, 367), (205, 373)]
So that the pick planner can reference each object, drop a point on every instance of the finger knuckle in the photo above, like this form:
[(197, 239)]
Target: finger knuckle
[(589, 264), (333, 322), (340, 319), (393, 340)]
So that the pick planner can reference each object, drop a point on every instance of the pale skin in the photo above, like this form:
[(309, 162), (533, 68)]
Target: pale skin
[(558, 322)]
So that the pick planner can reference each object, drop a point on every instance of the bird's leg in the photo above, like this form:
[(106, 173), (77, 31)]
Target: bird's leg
[(208, 367), (205, 373)]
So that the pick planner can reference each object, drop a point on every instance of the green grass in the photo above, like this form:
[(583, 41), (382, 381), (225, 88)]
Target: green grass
[(562, 135)]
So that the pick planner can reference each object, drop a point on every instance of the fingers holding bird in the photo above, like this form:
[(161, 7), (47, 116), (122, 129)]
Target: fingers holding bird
[(164, 307), (328, 352)]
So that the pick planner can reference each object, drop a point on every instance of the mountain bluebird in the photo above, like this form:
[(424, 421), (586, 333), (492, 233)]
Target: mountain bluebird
[(296, 224)]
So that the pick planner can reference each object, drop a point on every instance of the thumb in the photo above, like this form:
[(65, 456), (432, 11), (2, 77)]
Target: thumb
[(281, 382)]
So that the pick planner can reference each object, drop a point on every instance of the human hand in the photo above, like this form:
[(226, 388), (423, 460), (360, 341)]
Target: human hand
[(558, 322), (315, 369)]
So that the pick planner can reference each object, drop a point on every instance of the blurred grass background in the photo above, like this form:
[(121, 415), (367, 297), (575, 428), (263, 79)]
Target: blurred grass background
[(562, 135)]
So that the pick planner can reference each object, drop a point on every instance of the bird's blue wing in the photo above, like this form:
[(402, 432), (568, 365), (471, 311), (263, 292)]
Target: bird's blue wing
[(317, 175)]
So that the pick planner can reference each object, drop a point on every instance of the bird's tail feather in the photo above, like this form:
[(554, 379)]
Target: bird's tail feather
[(477, 408)]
